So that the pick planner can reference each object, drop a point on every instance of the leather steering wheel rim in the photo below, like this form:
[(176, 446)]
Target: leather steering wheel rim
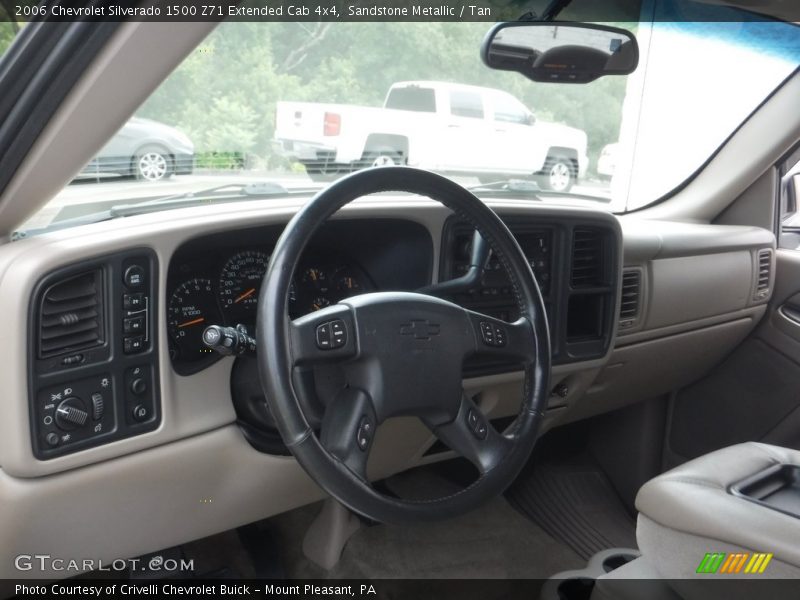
[(329, 459)]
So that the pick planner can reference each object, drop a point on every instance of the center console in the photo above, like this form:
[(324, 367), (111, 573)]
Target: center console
[(734, 512), (93, 358)]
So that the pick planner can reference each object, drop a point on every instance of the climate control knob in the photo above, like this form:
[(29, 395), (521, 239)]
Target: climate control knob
[(71, 413)]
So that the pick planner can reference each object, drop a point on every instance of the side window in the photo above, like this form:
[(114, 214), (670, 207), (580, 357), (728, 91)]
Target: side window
[(466, 104), (790, 201), (509, 110), (412, 98)]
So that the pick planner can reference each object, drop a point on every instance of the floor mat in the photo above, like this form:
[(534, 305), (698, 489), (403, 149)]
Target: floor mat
[(494, 541), (576, 504)]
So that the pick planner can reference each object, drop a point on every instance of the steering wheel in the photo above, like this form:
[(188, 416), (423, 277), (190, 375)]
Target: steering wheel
[(402, 354)]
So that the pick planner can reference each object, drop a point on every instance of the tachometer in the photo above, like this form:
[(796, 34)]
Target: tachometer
[(192, 308), (240, 280)]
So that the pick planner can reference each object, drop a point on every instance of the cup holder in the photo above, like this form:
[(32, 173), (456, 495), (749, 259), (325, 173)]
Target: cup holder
[(615, 561), (579, 584)]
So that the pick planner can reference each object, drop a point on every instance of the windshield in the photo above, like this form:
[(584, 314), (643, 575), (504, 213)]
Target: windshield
[(300, 104)]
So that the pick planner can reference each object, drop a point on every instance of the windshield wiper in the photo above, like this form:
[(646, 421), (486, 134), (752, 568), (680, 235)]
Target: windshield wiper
[(215, 195), (523, 188)]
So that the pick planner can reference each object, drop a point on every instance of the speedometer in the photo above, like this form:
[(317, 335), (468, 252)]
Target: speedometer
[(240, 280)]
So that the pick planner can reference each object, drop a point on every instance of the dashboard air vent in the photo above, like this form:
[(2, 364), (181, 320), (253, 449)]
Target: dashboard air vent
[(71, 315), (764, 267), (587, 258), (630, 302)]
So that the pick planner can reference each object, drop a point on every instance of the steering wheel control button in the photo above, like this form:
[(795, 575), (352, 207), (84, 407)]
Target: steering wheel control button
[(472, 419), (487, 333), (499, 336), (476, 423), (364, 433), (133, 301), (133, 325), (133, 344), (71, 414), (97, 406), (134, 276), (140, 413), (493, 335), (331, 335), (324, 336), (338, 333)]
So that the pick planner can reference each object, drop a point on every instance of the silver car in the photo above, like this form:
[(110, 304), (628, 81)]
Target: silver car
[(146, 149)]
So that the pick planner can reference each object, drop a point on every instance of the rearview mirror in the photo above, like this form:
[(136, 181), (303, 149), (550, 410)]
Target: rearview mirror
[(560, 52)]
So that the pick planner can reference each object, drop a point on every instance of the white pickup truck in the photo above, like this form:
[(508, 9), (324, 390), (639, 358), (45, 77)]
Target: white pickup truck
[(444, 127)]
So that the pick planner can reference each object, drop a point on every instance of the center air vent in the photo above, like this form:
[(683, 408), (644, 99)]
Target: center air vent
[(587, 258), (630, 302), (71, 315), (764, 268)]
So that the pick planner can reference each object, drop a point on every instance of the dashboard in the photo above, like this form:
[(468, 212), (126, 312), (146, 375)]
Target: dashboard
[(627, 322)]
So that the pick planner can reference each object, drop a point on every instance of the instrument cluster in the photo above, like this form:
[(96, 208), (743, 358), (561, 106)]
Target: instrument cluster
[(227, 294)]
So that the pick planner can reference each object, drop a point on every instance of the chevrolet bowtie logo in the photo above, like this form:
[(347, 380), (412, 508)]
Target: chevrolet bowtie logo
[(420, 329)]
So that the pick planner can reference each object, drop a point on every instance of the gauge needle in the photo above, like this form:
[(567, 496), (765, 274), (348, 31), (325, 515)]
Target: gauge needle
[(246, 295), (192, 322)]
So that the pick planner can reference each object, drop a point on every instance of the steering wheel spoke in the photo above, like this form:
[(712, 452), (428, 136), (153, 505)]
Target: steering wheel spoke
[(348, 429), (327, 335), (511, 341), (471, 436)]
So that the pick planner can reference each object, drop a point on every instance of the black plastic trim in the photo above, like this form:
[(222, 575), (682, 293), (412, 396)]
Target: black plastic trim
[(108, 361), (39, 71)]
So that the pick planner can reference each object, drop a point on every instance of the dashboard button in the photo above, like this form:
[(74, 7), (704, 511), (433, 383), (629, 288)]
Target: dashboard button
[(97, 406), (133, 301), (134, 276), (141, 413), (133, 325), (133, 344), (138, 386), (52, 439), (71, 414)]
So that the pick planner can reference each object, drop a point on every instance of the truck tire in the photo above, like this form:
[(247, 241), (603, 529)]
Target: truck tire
[(382, 157), (559, 174)]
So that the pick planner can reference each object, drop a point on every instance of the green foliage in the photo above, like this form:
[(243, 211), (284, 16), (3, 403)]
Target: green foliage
[(224, 94)]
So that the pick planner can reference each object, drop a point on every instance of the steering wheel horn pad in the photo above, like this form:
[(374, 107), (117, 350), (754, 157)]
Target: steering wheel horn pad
[(402, 354)]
